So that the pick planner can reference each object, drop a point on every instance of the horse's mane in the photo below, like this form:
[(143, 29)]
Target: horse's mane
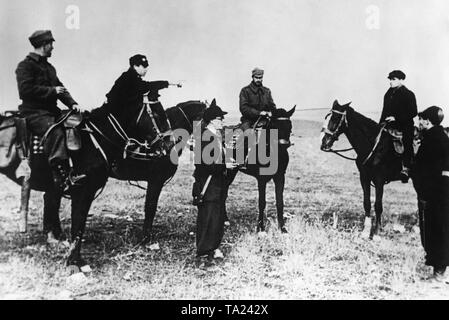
[(370, 126), (280, 113)]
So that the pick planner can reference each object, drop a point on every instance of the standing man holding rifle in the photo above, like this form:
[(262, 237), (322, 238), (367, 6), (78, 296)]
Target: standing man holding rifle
[(208, 189)]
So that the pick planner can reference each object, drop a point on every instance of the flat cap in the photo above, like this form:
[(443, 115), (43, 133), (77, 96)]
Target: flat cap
[(434, 114), (396, 74), (138, 60), (257, 72), (40, 37)]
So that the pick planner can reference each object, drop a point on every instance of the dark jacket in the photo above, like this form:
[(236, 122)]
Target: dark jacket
[(253, 100), (36, 80), (433, 187), (217, 169), (401, 104), (126, 95), (432, 158)]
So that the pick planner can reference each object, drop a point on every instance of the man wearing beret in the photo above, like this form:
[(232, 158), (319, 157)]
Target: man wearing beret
[(431, 181), (255, 100), (126, 95), (400, 108), (39, 89)]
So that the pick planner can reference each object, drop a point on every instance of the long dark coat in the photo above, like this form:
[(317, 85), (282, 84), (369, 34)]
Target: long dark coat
[(253, 100), (400, 103), (210, 220), (126, 95), (432, 187), (36, 81)]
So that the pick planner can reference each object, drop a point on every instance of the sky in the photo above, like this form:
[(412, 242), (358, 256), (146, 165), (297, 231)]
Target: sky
[(313, 52)]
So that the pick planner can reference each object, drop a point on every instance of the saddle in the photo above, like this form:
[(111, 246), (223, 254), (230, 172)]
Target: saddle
[(396, 137), (17, 140)]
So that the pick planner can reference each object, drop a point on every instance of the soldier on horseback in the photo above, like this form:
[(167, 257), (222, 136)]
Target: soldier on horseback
[(39, 89), (126, 95), (255, 101), (399, 109)]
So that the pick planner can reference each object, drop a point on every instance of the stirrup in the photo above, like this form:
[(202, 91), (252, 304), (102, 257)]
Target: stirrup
[(74, 179), (404, 175)]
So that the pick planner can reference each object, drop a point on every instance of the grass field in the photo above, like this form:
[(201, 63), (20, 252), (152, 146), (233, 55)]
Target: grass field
[(320, 257)]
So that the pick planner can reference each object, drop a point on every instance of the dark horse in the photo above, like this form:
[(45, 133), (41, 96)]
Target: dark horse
[(376, 159), (278, 156), (108, 149)]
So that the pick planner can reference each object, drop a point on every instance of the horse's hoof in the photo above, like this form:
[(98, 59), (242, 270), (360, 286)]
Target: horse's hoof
[(145, 242), (227, 223), (284, 230), (376, 238), (365, 234), (51, 239), (73, 269), (261, 234)]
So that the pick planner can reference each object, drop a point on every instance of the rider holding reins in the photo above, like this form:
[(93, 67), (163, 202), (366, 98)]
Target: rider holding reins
[(255, 101)]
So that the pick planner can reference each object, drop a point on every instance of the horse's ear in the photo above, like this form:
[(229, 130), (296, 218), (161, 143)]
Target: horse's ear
[(213, 103), (290, 113), (348, 104), (336, 104)]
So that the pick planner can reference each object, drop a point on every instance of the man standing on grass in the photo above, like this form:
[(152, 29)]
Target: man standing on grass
[(431, 181)]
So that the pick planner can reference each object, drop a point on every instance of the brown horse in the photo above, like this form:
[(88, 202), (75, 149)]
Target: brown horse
[(104, 145), (376, 159), (281, 123)]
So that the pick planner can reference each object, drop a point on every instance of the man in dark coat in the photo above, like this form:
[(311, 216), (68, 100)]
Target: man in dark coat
[(125, 99), (255, 100), (431, 181), (40, 88), (400, 108), (209, 176)]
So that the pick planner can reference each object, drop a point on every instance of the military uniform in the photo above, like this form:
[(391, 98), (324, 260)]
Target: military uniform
[(126, 97), (253, 100), (36, 80), (400, 103), (432, 187)]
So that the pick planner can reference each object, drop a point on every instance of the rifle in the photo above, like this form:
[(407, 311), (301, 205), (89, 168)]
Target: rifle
[(197, 200)]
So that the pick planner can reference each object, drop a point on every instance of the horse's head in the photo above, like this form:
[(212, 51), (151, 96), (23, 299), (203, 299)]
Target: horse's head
[(282, 123), (335, 123), (184, 115)]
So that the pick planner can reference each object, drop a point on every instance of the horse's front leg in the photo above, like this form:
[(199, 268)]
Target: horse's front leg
[(366, 186), (52, 223), (279, 183), (378, 207), (262, 186), (82, 198), (152, 197)]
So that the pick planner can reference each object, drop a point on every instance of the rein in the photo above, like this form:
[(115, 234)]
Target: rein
[(129, 142), (187, 119)]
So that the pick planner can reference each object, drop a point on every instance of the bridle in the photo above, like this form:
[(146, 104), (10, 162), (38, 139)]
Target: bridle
[(335, 133)]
